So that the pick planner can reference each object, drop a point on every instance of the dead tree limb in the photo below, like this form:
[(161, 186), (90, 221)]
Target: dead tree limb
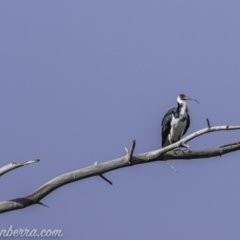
[(163, 154), (14, 165)]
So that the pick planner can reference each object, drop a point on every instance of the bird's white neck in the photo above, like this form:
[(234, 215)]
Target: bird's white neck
[(180, 101), (183, 107)]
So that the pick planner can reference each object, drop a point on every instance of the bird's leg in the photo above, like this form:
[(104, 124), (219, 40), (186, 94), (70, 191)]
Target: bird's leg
[(182, 150), (175, 150), (180, 145), (170, 140), (186, 146)]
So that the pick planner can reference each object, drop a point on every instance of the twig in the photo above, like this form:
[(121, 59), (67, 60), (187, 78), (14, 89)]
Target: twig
[(101, 175), (14, 165), (105, 179), (208, 123), (130, 152), (43, 204), (175, 170)]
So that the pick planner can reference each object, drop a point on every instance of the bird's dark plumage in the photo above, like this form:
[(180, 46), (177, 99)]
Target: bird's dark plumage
[(176, 121), (166, 125)]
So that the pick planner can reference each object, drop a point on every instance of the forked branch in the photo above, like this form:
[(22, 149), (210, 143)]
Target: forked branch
[(163, 154)]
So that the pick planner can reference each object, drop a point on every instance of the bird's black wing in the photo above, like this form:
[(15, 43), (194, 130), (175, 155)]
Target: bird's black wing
[(188, 124), (166, 126)]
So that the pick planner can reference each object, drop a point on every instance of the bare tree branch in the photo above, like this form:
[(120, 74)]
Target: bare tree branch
[(163, 154), (14, 165), (158, 153)]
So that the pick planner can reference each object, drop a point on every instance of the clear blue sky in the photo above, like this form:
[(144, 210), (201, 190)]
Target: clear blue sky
[(79, 80)]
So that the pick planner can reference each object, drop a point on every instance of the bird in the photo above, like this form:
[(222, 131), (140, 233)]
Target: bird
[(176, 121)]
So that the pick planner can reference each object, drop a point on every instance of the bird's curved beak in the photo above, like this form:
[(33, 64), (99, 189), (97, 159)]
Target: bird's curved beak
[(190, 98)]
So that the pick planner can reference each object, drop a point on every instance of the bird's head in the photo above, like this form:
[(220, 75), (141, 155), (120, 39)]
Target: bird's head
[(182, 97)]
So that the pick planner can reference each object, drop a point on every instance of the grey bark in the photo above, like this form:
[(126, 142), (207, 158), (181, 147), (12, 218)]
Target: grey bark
[(11, 166), (129, 159)]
